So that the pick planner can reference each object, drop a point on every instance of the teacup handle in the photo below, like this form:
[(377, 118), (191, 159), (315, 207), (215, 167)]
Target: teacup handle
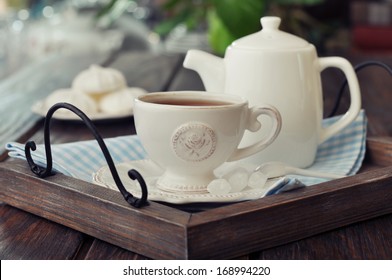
[(355, 96), (254, 125)]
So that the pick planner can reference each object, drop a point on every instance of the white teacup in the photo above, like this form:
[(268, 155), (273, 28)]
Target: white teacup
[(190, 133)]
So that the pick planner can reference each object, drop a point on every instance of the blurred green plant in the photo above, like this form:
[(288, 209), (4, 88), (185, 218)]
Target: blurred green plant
[(227, 20)]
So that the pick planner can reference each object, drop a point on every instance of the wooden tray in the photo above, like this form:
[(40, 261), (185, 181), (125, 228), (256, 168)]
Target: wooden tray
[(166, 232)]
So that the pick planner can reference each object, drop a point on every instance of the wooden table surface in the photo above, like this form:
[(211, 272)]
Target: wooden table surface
[(27, 236)]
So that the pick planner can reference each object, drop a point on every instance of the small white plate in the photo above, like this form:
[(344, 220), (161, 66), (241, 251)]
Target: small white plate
[(66, 115), (151, 171)]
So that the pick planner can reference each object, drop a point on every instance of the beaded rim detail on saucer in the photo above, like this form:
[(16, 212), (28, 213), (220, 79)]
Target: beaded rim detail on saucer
[(194, 141), (151, 172)]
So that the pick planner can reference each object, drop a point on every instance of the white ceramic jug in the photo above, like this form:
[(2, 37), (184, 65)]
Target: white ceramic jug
[(278, 68)]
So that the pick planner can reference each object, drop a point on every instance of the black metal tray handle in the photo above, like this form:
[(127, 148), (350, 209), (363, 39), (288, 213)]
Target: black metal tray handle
[(45, 172)]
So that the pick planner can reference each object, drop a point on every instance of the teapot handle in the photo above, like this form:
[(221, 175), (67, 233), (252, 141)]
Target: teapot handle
[(355, 96)]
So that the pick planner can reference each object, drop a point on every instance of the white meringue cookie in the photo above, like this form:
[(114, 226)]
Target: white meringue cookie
[(82, 101), (97, 80), (121, 101)]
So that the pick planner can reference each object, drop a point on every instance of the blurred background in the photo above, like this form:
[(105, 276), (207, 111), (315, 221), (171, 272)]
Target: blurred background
[(33, 29)]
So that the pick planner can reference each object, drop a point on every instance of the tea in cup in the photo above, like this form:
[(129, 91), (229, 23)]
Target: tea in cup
[(190, 133)]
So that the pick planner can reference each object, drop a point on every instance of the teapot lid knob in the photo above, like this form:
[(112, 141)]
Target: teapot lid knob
[(270, 23), (270, 38)]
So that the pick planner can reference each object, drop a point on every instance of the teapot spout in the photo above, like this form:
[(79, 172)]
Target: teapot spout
[(209, 67)]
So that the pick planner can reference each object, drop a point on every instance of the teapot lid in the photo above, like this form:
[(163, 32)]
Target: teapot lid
[(270, 37)]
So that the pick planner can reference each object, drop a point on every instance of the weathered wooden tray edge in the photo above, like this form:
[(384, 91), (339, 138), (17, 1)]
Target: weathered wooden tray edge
[(236, 230), (156, 231), (163, 232)]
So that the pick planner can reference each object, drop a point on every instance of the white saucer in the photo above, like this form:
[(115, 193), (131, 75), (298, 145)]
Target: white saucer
[(40, 109), (150, 172)]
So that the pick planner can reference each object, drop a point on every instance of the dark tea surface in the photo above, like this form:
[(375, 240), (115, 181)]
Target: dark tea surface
[(190, 102)]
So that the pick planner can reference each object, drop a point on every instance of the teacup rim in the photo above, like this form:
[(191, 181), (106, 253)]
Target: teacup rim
[(233, 100)]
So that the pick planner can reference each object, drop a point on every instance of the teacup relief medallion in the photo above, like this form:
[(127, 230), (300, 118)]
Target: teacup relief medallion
[(194, 141)]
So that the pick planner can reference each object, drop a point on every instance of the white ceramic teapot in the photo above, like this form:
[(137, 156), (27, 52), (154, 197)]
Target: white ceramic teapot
[(277, 68)]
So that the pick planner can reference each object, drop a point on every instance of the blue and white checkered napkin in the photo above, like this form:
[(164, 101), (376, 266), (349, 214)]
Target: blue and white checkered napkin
[(341, 154), (81, 159)]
